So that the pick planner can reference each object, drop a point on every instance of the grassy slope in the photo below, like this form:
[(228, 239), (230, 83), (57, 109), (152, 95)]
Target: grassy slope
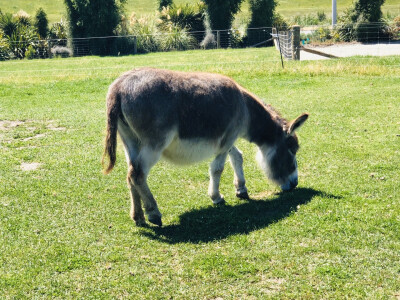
[(55, 9), (65, 230)]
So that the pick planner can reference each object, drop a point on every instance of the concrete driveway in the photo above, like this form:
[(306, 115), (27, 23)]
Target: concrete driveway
[(353, 49)]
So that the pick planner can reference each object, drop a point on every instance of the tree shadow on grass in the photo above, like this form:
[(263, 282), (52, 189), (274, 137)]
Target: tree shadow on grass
[(219, 222)]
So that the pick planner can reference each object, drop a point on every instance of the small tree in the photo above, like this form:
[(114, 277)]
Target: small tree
[(221, 13), (95, 19), (164, 3), (370, 10), (363, 22), (262, 15), (41, 23)]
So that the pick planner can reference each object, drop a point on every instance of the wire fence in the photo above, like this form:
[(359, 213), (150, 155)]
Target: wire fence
[(284, 42), (180, 41)]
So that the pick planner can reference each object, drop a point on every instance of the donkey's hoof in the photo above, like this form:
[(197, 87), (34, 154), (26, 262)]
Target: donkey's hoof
[(242, 195), (140, 223), (219, 201), (156, 220)]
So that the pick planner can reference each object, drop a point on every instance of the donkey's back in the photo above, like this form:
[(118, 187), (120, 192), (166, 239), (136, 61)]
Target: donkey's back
[(188, 116)]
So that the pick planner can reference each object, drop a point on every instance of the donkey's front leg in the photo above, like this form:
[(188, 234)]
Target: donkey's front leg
[(216, 168), (138, 175), (236, 159)]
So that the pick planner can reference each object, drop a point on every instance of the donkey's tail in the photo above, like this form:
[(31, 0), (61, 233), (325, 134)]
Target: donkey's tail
[(113, 113)]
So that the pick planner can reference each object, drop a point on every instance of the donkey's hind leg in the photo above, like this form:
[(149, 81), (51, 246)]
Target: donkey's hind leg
[(136, 204), (216, 168), (236, 159), (131, 146), (138, 176)]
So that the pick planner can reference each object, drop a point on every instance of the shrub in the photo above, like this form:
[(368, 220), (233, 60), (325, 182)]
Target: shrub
[(279, 22), (177, 38), (221, 13), (23, 18), (30, 52), (95, 19), (321, 16), (145, 29), (322, 34), (363, 23), (370, 10), (4, 49), (236, 39), (395, 28), (190, 18), (41, 23), (20, 40), (163, 4), (58, 34), (262, 15), (8, 24)]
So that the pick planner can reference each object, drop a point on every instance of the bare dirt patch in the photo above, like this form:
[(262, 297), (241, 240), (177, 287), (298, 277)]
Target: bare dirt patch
[(6, 125), (26, 130), (37, 136), (30, 166)]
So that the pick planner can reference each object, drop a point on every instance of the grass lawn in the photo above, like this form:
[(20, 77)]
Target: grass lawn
[(288, 8), (65, 230)]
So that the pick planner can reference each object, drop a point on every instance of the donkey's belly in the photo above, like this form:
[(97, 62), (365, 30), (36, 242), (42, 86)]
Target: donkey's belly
[(184, 152)]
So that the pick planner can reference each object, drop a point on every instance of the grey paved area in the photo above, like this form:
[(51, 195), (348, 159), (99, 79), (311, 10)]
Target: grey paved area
[(345, 50)]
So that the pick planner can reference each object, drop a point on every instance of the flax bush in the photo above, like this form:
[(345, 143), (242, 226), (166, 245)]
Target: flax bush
[(146, 31), (177, 38), (4, 49)]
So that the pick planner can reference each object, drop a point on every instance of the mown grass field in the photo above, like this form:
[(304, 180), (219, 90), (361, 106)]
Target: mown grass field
[(288, 8), (65, 230)]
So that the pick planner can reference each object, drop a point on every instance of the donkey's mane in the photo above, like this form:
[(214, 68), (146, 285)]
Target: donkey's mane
[(275, 115)]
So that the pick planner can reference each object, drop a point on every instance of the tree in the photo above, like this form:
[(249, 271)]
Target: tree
[(222, 12), (363, 22), (262, 15), (370, 10), (41, 23), (164, 3), (95, 18)]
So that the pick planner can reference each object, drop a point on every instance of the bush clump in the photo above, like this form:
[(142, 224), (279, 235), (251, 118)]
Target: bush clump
[(363, 22)]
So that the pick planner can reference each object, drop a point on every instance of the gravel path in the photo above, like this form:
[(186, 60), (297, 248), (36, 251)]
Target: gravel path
[(345, 50)]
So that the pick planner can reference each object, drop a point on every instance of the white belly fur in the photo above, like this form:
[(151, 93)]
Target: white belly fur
[(183, 152)]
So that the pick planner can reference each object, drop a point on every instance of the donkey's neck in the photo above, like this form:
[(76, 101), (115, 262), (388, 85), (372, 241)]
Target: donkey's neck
[(265, 125)]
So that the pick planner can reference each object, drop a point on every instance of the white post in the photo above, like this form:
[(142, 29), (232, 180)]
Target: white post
[(334, 14)]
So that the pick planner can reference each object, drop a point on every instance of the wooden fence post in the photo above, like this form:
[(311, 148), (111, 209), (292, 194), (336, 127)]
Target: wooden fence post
[(296, 42), (218, 39), (274, 32)]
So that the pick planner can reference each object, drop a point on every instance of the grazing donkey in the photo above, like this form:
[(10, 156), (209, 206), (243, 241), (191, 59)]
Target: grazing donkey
[(186, 118)]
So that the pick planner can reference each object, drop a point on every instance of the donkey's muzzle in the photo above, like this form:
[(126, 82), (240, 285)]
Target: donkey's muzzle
[(290, 185)]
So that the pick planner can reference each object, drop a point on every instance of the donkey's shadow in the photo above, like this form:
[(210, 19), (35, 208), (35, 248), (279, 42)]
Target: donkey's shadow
[(216, 223)]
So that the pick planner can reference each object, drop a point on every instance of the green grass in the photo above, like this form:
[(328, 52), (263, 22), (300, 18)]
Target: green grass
[(65, 230), (56, 9)]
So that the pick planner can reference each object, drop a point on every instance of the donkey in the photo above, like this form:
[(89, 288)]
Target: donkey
[(186, 118)]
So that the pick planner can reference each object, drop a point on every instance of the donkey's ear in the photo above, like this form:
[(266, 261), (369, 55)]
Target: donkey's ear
[(295, 124)]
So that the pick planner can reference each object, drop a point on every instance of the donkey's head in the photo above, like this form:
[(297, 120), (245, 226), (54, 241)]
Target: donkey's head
[(279, 160)]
